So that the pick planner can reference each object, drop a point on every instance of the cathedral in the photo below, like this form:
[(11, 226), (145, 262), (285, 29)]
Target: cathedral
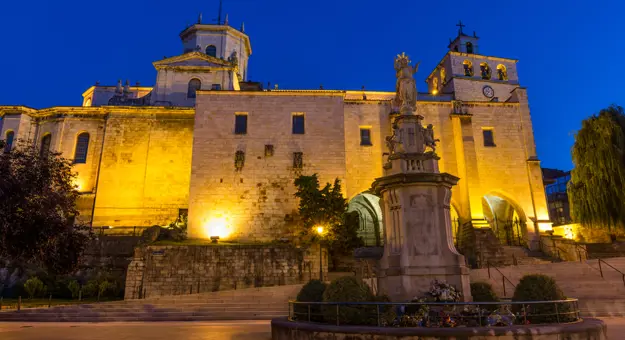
[(206, 143)]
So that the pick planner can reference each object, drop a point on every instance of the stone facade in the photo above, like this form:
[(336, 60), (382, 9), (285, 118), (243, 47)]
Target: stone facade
[(177, 270), (149, 163)]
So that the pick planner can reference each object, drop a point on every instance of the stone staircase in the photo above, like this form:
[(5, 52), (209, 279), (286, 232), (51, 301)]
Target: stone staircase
[(245, 304), (598, 296)]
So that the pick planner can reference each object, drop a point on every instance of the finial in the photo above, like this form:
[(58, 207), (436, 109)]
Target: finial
[(226, 21), (199, 18), (138, 84), (275, 87), (474, 35), (321, 87), (97, 83), (460, 25), (243, 27), (127, 87), (269, 85), (119, 86)]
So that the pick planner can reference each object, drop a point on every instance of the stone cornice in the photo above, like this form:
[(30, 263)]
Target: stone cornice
[(472, 55), (282, 93), (16, 110), (100, 111), (185, 68)]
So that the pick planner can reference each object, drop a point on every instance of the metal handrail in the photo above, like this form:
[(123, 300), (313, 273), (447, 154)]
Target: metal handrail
[(609, 265), (503, 277), (427, 303), (558, 249), (578, 248), (324, 312)]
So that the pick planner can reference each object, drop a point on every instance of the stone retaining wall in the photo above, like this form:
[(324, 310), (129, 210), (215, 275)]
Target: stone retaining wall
[(282, 329), (176, 270)]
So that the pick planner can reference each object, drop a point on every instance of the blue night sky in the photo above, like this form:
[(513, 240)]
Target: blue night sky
[(569, 51)]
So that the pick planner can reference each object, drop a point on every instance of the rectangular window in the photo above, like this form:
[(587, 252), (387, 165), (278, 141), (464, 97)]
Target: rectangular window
[(489, 139), (240, 123), (365, 136), (298, 160), (268, 150), (298, 123)]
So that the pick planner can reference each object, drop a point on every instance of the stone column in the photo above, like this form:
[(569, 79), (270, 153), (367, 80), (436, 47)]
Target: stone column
[(416, 203)]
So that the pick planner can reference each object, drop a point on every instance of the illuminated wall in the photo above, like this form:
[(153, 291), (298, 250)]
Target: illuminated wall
[(158, 160), (257, 202)]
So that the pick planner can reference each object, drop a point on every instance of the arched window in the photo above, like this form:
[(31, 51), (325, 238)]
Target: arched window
[(485, 70), (502, 72), (468, 68), (194, 85), (82, 146), (443, 76), (8, 141), (469, 47), (45, 145), (211, 50)]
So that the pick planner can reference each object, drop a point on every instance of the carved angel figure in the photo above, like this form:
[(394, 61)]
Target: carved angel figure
[(406, 88), (429, 137)]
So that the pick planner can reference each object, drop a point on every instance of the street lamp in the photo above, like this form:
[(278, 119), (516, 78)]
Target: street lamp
[(320, 233)]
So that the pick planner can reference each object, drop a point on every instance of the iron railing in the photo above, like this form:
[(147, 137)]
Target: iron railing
[(503, 277), (609, 265), (436, 314)]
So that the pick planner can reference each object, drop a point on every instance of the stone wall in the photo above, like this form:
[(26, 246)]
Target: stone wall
[(258, 200), (177, 270)]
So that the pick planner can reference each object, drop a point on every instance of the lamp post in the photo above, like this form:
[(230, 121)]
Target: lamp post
[(320, 233)]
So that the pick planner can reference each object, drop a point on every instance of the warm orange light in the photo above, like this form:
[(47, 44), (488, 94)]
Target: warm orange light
[(217, 226), (434, 92), (320, 230)]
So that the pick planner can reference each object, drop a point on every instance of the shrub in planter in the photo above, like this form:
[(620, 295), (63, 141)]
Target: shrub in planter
[(347, 289), (311, 292), (34, 287), (539, 287)]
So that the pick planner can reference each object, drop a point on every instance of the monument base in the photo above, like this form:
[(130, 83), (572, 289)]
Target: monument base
[(419, 246)]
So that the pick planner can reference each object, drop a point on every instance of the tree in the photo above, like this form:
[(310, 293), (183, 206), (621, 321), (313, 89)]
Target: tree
[(596, 188), (37, 210), (325, 208)]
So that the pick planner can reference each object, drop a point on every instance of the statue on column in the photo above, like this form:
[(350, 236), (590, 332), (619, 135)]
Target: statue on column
[(406, 87), (428, 135)]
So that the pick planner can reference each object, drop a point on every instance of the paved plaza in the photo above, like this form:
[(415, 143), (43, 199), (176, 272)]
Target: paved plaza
[(231, 330)]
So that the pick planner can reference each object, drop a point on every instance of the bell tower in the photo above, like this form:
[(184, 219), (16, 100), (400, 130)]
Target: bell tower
[(464, 43)]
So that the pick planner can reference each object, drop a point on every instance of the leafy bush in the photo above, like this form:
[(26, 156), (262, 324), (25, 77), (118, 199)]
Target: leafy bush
[(311, 292), (91, 289), (34, 287), (538, 287), (74, 287), (348, 289), (106, 288), (483, 292)]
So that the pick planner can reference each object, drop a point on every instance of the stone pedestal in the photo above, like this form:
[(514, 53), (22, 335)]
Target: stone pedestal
[(416, 207)]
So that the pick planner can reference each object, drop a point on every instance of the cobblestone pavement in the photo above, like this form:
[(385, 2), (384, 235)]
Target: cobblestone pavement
[(235, 330)]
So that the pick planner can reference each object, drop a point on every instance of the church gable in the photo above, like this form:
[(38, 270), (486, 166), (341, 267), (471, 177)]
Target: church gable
[(192, 59)]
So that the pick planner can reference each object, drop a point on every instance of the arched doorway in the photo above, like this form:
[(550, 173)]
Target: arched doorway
[(506, 219), (366, 207)]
